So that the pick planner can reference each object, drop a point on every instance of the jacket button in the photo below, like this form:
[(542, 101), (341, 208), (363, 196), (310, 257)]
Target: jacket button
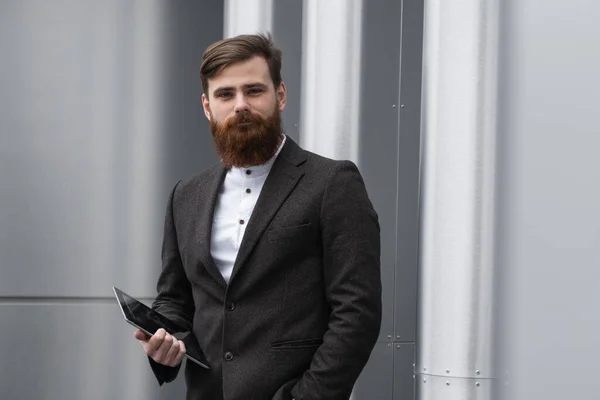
[(228, 356), (231, 306)]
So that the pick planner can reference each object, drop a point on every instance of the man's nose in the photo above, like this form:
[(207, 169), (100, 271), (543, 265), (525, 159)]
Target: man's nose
[(241, 104)]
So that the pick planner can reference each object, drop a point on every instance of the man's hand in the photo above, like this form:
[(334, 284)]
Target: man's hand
[(162, 347)]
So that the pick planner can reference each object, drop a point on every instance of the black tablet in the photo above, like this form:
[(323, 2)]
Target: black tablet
[(149, 321)]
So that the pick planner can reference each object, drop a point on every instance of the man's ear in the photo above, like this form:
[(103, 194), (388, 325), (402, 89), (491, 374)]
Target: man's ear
[(281, 96), (206, 106)]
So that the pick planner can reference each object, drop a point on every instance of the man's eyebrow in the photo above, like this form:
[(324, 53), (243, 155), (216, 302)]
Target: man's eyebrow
[(255, 85), (245, 87), (223, 89)]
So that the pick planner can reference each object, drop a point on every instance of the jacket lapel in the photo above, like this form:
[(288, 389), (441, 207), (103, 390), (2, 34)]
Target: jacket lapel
[(283, 177), (209, 192)]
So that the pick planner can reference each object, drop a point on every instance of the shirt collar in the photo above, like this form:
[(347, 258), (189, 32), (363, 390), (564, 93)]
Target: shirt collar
[(260, 170)]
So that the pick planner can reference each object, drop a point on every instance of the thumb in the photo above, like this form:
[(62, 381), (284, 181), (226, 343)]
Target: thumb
[(141, 336)]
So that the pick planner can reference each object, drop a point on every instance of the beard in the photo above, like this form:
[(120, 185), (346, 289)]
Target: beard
[(247, 139)]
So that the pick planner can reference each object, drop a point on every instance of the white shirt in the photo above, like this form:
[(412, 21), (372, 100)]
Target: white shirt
[(235, 203)]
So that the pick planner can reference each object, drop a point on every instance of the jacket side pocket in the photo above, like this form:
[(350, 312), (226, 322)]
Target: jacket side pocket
[(297, 344)]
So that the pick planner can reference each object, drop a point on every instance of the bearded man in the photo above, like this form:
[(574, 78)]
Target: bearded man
[(271, 257)]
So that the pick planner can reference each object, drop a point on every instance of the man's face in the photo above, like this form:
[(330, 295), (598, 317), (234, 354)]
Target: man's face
[(243, 108)]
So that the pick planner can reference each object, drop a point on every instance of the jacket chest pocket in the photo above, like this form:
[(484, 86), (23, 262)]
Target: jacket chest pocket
[(290, 233)]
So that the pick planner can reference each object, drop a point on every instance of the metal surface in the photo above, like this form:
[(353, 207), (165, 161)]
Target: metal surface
[(100, 115), (331, 77), (404, 379), (247, 17), (549, 217), (409, 142), (92, 105), (74, 350), (455, 329), (378, 150), (377, 379), (287, 31), (441, 387)]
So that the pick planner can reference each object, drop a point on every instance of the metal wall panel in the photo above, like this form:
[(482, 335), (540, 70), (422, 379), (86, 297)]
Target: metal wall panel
[(377, 379), (409, 162), (287, 32), (389, 162), (71, 350), (404, 378), (378, 155), (101, 114)]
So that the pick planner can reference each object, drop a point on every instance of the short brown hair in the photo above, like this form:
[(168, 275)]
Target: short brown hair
[(240, 48)]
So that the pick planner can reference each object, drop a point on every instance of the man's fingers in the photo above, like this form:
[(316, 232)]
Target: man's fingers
[(170, 352), (181, 353), (171, 356), (162, 347), (162, 353), (141, 336), (156, 341)]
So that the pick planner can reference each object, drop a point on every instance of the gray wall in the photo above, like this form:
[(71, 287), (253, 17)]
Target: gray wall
[(549, 188), (100, 114)]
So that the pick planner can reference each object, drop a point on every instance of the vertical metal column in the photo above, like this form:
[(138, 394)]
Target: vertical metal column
[(331, 77), (455, 331), (247, 17)]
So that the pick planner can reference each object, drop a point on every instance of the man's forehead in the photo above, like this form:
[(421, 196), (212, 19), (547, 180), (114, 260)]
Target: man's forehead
[(241, 74)]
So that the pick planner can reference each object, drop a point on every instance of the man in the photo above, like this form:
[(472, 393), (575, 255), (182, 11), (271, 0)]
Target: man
[(271, 257)]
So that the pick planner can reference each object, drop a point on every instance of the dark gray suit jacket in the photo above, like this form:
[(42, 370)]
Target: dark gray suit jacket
[(302, 310)]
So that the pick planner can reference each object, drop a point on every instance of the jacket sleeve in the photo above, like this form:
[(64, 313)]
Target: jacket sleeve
[(351, 269), (174, 299)]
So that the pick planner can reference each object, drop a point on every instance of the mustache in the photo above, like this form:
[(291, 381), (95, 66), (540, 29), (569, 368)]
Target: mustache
[(243, 117)]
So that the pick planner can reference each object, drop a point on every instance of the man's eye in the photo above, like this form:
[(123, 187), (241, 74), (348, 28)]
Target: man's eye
[(224, 95), (255, 91)]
